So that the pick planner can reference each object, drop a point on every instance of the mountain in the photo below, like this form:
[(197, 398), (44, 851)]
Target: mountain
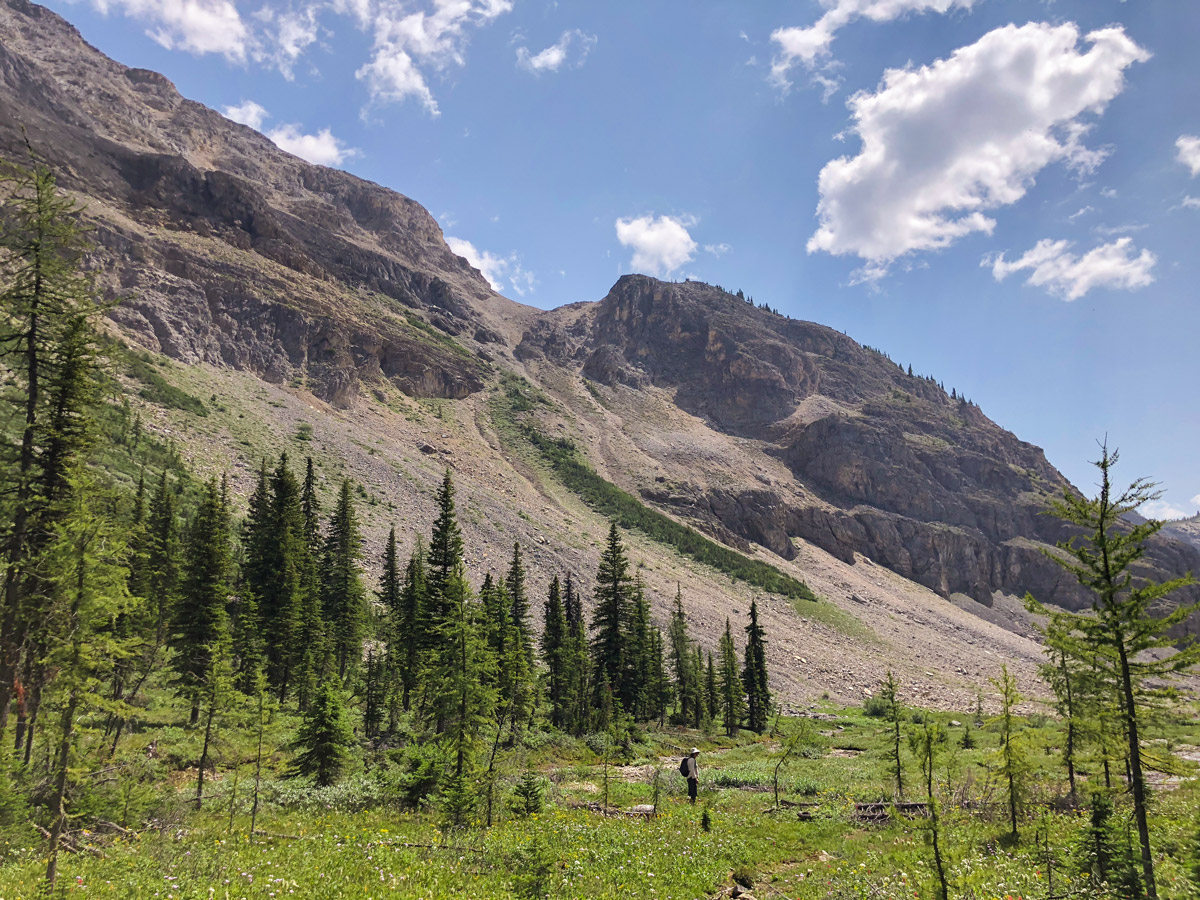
[(287, 306)]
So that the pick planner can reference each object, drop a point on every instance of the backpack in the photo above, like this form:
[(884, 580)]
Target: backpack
[(683, 767)]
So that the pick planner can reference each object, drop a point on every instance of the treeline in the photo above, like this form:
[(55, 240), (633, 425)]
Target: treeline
[(111, 592)]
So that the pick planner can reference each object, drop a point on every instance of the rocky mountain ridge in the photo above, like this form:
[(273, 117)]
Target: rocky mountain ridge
[(235, 259)]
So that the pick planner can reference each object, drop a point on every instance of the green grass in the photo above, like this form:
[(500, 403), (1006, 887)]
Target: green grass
[(157, 390), (630, 512)]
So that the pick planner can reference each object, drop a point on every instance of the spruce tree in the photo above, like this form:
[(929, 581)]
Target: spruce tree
[(696, 686), (681, 660), (201, 619), (343, 599), (577, 690), (514, 584), (410, 622), (660, 685), (712, 696), (390, 596), (445, 554), (636, 683), (459, 676), (733, 704), (611, 615), (164, 558), (314, 638), (554, 650), (754, 675), (325, 737)]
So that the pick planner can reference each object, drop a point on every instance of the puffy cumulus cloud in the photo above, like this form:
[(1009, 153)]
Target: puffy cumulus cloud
[(1051, 265), (660, 246), (197, 26), (1196, 501), (496, 269), (408, 42), (557, 54), (1161, 509), (322, 148), (944, 142), (810, 45), (1188, 148), (247, 113)]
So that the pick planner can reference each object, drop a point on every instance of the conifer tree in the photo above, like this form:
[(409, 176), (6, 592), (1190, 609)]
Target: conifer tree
[(390, 596), (314, 639), (45, 295), (514, 584), (410, 622), (554, 650), (712, 696), (733, 704), (343, 598), (83, 567), (636, 683), (459, 678), (1014, 764), (164, 557), (895, 711), (611, 615), (445, 554), (374, 694), (660, 685), (201, 620), (1117, 637), (325, 737), (754, 674), (576, 663), (699, 694), (681, 660)]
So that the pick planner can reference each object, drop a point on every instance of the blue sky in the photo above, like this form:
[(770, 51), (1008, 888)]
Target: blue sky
[(1003, 193)]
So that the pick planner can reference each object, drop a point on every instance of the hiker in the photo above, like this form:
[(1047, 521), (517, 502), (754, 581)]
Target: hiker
[(689, 768)]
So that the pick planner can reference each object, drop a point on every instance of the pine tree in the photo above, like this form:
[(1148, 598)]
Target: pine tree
[(611, 615), (343, 599), (733, 704), (1117, 637), (325, 737), (554, 639), (754, 674), (201, 619)]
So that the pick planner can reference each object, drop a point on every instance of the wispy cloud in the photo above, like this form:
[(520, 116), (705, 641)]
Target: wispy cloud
[(321, 148), (571, 49), (1052, 265)]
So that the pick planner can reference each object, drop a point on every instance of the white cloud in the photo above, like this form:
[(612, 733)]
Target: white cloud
[(247, 113), (291, 32), (1196, 501), (1108, 193), (495, 269), (1190, 202), (1189, 152), (1161, 509), (1051, 265), (407, 42), (552, 58), (717, 249), (660, 246), (1080, 213), (322, 148), (197, 26), (811, 45), (945, 142)]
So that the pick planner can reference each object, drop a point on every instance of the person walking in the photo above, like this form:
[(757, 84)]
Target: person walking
[(689, 768)]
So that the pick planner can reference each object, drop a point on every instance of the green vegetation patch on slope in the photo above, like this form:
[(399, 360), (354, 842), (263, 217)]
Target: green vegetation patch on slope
[(157, 390), (629, 512)]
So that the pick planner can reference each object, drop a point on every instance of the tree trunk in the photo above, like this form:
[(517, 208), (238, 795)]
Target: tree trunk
[(1136, 778), (58, 806)]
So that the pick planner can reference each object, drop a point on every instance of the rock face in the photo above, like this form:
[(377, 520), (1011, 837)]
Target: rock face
[(888, 465), (225, 250)]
